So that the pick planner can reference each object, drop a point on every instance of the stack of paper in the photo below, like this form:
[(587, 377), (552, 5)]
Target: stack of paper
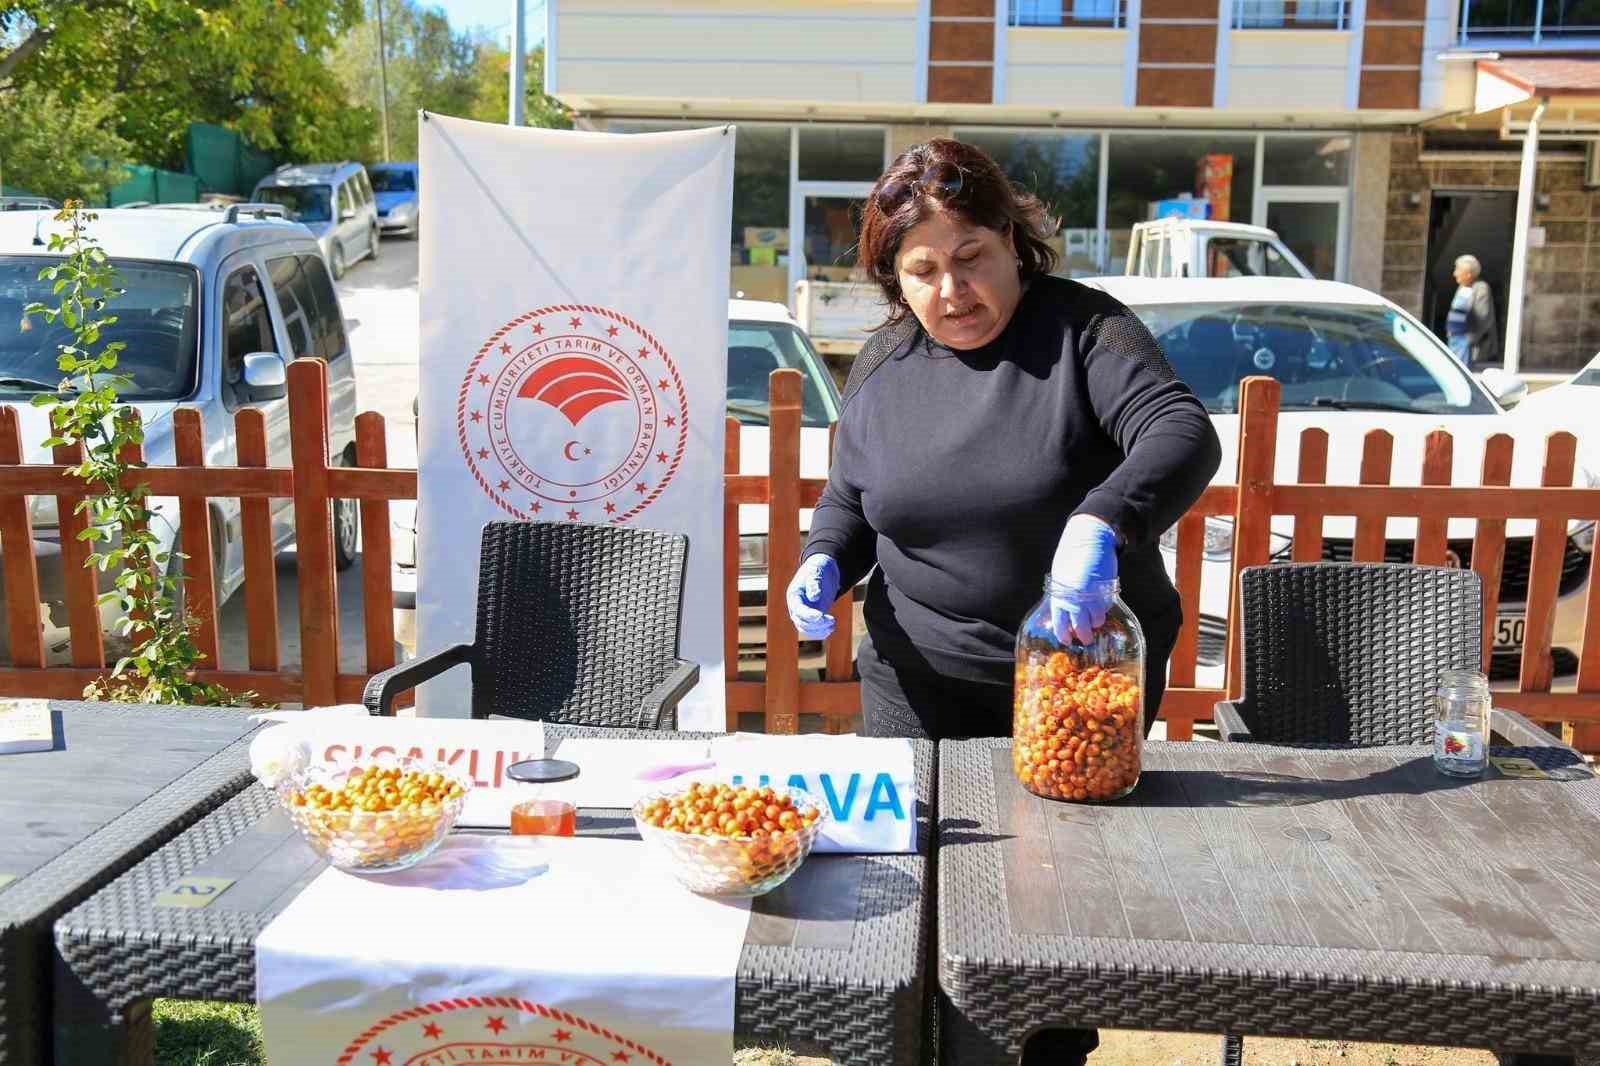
[(25, 726)]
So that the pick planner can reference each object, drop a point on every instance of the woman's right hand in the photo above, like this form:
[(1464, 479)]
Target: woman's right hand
[(811, 593)]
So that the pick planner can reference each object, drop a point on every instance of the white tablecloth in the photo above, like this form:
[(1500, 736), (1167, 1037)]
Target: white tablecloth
[(497, 947)]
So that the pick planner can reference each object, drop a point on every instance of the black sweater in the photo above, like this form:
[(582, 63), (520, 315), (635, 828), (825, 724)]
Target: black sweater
[(955, 471)]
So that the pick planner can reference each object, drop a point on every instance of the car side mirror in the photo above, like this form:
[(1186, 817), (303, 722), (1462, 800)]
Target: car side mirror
[(1507, 388), (266, 377)]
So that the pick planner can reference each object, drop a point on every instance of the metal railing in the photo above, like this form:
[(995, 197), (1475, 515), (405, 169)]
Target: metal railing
[(1069, 13), (1561, 20), (1291, 14)]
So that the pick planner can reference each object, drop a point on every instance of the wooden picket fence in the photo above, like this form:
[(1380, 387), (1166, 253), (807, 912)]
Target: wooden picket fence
[(313, 483)]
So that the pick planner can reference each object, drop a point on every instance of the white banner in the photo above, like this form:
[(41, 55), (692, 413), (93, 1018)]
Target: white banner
[(479, 750), (574, 304), (868, 784), (503, 949)]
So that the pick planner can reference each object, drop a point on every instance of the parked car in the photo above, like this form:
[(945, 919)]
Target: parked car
[(1349, 361), (762, 337), (1201, 248), (334, 201), (397, 189), (28, 203), (1570, 405), (214, 303)]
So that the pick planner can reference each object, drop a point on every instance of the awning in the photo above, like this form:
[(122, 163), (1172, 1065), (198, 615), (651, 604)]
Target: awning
[(1570, 82)]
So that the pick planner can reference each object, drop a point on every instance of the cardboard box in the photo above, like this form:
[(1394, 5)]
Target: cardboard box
[(836, 273), (1213, 183), (1180, 207), (766, 237), (760, 283)]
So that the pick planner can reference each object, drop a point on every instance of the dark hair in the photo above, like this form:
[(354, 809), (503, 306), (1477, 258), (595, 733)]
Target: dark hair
[(961, 180)]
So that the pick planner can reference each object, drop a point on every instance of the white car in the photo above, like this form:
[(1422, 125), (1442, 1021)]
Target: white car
[(762, 337), (1349, 361), (1568, 405)]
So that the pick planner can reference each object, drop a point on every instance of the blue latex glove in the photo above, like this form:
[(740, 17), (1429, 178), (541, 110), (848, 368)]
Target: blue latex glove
[(1081, 573), (811, 593)]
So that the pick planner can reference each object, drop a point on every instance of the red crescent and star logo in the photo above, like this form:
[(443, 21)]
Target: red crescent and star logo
[(500, 1029), (572, 411)]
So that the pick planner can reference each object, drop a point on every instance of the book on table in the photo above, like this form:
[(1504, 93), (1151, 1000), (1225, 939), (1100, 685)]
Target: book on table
[(25, 726)]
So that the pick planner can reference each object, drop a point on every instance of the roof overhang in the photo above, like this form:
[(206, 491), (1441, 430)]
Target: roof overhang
[(779, 110), (1510, 88)]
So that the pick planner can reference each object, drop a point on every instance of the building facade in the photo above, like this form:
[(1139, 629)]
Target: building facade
[(1380, 138)]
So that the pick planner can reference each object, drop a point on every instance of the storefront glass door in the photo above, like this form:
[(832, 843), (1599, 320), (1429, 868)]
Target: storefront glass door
[(1311, 222), (825, 216)]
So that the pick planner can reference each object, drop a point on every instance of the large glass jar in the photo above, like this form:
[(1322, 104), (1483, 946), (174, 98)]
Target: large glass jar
[(1078, 722)]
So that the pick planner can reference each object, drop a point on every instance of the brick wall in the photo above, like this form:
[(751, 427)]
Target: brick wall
[(1561, 312)]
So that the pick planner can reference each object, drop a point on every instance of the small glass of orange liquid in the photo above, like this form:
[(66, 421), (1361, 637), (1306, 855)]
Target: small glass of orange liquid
[(544, 817)]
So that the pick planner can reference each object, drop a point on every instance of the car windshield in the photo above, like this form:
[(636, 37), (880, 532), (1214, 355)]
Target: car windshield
[(306, 203), (755, 350), (155, 319), (393, 181), (1343, 357), (1589, 375)]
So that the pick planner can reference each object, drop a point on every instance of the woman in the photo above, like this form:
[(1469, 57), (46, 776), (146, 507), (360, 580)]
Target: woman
[(1004, 424)]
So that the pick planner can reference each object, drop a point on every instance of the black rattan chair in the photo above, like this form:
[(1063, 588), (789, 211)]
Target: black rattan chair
[(577, 623), (1348, 655)]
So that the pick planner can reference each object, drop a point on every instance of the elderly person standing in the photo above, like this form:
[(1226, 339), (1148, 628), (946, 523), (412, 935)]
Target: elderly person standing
[(1470, 326)]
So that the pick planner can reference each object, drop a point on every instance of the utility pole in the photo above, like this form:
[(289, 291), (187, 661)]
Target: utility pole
[(518, 48), (383, 83)]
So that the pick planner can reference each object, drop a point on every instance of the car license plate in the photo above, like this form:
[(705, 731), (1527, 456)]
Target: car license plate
[(1509, 630)]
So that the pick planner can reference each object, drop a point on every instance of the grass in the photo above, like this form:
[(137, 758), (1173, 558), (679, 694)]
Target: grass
[(207, 1034)]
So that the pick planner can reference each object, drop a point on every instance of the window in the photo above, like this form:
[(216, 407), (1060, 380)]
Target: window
[(1063, 170), (364, 188), (1236, 257), (246, 329), (294, 300), (310, 308), (1289, 14), (1068, 13), (327, 325), (306, 203), (842, 153), (1196, 175), (156, 319), (346, 202), (1321, 160), (755, 350)]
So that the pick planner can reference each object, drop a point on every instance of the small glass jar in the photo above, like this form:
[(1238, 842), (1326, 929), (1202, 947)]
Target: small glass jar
[(1078, 709), (1461, 723)]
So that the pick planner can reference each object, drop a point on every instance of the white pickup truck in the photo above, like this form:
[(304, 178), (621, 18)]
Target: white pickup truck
[(1195, 248), (838, 316)]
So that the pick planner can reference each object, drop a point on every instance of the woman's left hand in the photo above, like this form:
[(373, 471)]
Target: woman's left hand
[(1081, 573)]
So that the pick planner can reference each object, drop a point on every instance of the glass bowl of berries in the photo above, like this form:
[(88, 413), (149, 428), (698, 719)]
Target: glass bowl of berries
[(720, 839), (374, 817)]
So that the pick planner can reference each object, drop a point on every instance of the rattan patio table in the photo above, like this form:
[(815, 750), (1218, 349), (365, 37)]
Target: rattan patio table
[(120, 782), (1255, 889), (836, 958)]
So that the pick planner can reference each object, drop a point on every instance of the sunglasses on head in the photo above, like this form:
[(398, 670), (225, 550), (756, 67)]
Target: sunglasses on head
[(938, 179)]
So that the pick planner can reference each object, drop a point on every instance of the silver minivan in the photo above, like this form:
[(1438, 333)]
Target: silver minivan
[(215, 304), (334, 201)]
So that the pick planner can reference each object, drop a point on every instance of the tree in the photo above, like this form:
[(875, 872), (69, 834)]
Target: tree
[(258, 66), (50, 149), (492, 95), (428, 67)]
